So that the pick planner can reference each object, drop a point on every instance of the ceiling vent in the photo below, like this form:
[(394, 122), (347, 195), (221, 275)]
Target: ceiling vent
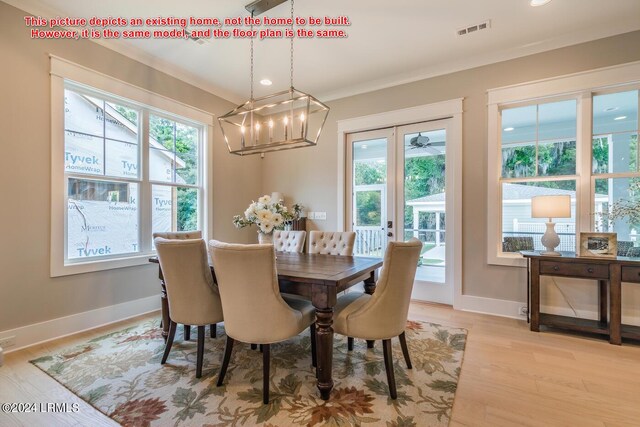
[(474, 28)]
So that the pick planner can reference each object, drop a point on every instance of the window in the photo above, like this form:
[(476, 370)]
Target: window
[(122, 168), (538, 142), (575, 135)]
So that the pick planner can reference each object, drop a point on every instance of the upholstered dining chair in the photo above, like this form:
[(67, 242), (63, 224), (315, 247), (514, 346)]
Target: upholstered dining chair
[(181, 235), (193, 297), (289, 241), (332, 242), (383, 315), (255, 312)]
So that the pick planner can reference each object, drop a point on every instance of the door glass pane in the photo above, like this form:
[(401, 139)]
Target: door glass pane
[(424, 195), (102, 218), (521, 232), (617, 210), (369, 196)]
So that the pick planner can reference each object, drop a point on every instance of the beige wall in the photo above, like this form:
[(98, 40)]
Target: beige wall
[(311, 174), (27, 293)]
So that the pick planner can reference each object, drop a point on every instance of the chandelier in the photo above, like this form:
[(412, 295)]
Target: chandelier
[(281, 121)]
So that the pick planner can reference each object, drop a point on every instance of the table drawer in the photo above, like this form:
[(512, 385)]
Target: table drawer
[(575, 269), (630, 274)]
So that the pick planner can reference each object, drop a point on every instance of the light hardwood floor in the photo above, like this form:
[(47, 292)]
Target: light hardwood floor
[(510, 377)]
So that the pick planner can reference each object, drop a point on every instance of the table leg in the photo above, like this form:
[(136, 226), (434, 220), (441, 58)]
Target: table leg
[(603, 302), (324, 299), (370, 288), (535, 295), (615, 304), (165, 310)]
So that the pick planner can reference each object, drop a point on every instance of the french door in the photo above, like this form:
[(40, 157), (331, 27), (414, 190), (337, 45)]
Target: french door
[(397, 185)]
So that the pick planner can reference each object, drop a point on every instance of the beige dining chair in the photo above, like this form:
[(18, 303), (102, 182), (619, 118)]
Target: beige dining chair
[(181, 235), (255, 312), (332, 242), (289, 241), (383, 315), (193, 297)]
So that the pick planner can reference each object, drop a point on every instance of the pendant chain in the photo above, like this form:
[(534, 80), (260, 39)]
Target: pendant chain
[(251, 56), (292, 35)]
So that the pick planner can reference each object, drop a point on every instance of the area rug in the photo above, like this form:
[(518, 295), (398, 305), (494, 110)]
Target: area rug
[(121, 376)]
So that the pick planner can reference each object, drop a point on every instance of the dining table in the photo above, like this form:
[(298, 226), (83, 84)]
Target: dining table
[(318, 278)]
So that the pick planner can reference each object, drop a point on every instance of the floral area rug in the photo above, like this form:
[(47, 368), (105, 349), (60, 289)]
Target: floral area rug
[(121, 376)]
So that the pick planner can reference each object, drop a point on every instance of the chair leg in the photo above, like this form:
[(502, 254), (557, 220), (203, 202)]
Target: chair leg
[(261, 348), (370, 343), (187, 332), (254, 346), (266, 360), (405, 349), (212, 330), (388, 366), (169, 343), (225, 361), (314, 355), (200, 351), (350, 343)]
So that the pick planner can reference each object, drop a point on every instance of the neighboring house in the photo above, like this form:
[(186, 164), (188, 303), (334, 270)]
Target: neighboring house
[(101, 211), (516, 212)]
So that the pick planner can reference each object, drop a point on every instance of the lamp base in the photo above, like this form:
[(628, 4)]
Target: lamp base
[(550, 253)]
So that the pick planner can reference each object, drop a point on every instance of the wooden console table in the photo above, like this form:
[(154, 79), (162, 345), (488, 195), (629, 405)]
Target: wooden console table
[(609, 272)]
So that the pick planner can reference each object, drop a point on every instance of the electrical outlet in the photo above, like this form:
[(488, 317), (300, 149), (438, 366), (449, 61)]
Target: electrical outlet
[(523, 311), (8, 342), (321, 215)]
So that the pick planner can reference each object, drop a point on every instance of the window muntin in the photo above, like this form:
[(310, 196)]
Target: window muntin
[(539, 140)]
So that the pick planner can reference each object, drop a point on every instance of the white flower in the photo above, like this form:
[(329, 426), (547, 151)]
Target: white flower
[(264, 216), (266, 228), (265, 200), (277, 220)]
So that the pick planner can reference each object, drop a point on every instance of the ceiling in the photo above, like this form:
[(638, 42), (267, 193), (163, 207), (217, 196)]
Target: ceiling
[(389, 43)]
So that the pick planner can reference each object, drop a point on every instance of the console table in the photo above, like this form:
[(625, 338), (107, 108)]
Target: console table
[(609, 272)]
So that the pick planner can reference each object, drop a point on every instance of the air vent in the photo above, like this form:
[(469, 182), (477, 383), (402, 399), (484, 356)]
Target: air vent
[(472, 29), (198, 40)]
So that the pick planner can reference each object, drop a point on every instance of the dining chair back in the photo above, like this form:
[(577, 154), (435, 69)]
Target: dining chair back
[(289, 241), (383, 315), (255, 312), (191, 293), (332, 242)]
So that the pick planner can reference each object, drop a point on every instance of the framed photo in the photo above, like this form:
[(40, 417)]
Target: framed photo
[(598, 245)]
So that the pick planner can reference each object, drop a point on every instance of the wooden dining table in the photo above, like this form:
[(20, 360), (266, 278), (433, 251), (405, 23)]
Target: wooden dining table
[(318, 278)]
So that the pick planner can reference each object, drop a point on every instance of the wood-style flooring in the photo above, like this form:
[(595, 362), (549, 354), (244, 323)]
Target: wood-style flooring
[(510, 377)]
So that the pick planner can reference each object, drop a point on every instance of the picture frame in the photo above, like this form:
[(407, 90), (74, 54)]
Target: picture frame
[(598, 245)]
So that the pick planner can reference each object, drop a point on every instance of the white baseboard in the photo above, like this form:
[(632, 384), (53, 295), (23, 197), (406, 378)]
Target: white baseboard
[(495, 307), (38, 333)]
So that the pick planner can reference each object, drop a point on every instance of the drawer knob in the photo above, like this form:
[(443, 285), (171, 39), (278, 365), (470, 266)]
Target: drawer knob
[(556, 268), (590, 270)]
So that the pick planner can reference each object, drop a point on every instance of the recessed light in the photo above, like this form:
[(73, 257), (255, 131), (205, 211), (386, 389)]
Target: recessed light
[(535, 3), (364, 146), (266, 82), (620, 118), (609, 109), (508, 129)]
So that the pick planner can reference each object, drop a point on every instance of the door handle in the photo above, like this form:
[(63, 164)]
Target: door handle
[(389, 234)]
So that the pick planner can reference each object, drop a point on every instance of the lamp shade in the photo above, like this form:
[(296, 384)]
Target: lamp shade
[(551, 206)]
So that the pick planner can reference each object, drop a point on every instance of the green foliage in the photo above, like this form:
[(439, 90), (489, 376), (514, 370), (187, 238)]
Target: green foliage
[(183, 140)]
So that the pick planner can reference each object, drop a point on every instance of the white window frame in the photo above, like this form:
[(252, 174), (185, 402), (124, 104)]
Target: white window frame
[(580, 86), (65, 73)]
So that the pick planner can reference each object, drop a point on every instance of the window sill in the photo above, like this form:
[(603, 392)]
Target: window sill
[(514, 260), (59, 270)]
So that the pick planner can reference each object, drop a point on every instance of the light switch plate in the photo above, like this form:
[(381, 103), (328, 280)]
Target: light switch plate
[(311, 215), (321, 215)]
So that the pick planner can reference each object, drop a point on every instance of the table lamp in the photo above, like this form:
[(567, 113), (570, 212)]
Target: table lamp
[(551, 207)]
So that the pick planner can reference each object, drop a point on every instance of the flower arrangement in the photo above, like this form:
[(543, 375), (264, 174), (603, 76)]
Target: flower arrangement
[(267, 214)]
